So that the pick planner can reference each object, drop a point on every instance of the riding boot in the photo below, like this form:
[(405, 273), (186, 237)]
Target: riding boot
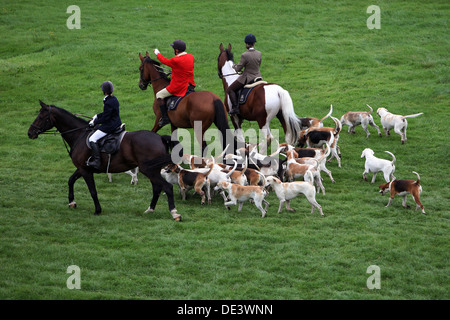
[(164, 117), (94, 160), (234, 103)]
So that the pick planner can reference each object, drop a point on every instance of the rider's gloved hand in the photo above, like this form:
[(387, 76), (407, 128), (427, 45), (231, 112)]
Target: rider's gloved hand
[(91, 123)]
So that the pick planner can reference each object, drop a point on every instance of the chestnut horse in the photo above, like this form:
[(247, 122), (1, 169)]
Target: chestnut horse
[(203, 106), (144, 149), (265, 102)]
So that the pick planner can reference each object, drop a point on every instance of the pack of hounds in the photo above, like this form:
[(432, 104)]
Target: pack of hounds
[(248, 175)]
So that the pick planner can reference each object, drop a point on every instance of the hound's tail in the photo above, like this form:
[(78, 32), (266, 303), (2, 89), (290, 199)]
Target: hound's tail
[(418, 177), (311, 177), (234, 168), (337, 126), (412, 115), (393, 157), (328, 114), (263, 177), (371, 110), (327, 152)]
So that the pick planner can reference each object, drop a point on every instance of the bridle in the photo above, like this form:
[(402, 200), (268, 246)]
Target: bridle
[(54, 132), (158, 68), (48, 119)]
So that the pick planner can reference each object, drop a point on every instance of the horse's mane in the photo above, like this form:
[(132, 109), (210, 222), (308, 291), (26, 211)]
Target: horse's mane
[(229, 55), (162, 74), (68, 113)]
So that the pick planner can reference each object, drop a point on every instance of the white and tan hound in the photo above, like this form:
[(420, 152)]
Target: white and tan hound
[(393, 121), (363, 118)]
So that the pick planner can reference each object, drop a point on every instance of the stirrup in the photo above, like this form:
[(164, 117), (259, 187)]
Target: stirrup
[(163, 121), (94, 163)]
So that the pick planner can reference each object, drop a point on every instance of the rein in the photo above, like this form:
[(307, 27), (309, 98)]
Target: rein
[(159, 69), (55, 132)]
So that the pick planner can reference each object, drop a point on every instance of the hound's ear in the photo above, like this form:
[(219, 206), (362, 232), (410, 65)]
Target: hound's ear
[(229, 47), (221, 47), (141, 57)]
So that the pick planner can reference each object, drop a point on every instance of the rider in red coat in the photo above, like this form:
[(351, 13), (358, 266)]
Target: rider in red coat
[(182, 76)]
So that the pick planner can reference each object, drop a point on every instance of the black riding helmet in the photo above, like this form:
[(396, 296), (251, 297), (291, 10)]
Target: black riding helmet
[(107, 87), (250, 39), (180, 45)]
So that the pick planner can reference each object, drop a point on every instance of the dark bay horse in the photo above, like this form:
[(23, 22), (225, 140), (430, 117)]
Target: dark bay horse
[(265, 102), (203, 106), (144, 149)]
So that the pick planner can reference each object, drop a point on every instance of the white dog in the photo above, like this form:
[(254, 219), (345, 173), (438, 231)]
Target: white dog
[(289, 190), (398, 122), (375, 165)]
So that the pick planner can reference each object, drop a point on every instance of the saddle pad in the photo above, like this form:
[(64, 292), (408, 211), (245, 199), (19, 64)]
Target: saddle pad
[(110, 143), (243, 95), (245, 92), (173, 101)]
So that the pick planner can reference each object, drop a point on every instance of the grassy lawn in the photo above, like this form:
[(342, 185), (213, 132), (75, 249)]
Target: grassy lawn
[(321, 52)]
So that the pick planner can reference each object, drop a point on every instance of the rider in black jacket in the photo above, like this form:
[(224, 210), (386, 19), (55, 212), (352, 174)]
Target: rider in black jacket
[(109, 121)]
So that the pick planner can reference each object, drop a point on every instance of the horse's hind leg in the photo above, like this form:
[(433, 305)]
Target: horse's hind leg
[(73, 178), (159, 184)]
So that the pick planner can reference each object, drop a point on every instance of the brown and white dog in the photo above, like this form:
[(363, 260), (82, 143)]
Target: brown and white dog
[(393, 121), (317, 153), (240, 194), (316, 137), (310, 122), (287, 191), (355, 118), (295, 170), (402, 188), (188, 179)]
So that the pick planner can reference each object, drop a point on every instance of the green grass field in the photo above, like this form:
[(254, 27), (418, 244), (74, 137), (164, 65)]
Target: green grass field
[(323, 53)]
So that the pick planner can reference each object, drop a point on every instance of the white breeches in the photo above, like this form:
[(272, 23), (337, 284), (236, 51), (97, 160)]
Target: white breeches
[(97, 136)]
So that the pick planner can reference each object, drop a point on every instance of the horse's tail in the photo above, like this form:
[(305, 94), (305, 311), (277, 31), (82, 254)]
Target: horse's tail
[(289, 116), (221, 122), (158, 162)]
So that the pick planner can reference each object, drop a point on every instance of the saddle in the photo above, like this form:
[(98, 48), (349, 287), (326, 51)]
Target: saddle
[(173, 101), (245, 91), (110, 143)]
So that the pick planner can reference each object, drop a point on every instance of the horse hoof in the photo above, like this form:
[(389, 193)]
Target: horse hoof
[(73, 205), (149, 210), (175, 215)]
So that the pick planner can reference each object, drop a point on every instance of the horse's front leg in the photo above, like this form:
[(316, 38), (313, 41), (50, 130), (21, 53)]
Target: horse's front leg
[(89, 179), (73, 178), (157, 112)]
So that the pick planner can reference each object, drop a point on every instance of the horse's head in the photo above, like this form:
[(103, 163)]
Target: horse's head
[(144, 71), (150, 71), (224, 56), (43, 121)]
